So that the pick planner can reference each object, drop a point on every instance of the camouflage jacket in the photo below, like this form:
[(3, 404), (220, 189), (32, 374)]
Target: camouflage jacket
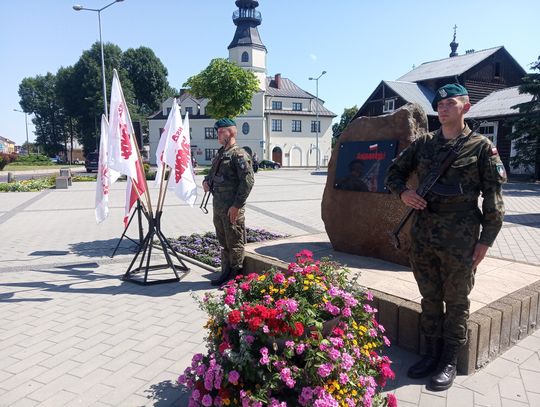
[(231, 176), (478, 169)]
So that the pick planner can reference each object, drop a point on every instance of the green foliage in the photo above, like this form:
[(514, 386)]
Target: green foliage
[(229, 88), (70, 103), (346, 117), (4, 160), (32, 159), (83, 178), (526, 135), (30, 185)]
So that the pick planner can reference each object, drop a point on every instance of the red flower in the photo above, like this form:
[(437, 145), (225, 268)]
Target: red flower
[(223, 347), (391, 400), (255, 323), (298, 329), (235, 317)]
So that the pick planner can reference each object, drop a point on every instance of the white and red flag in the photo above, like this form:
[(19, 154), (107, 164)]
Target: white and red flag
[(182, 176), (168, 140), (106, 176), (373, 147), (123, 155)]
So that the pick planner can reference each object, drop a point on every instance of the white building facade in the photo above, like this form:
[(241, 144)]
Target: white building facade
[(285, 123)]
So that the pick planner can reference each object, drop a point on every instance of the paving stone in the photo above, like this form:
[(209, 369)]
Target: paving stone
[(516, 317), (513, 389), (62, 398), (501, 367), (531, 342), (532, 363), (531, 380), (467, 355), (517, 354), (409, 393), (512, 403), (483, 341), (524, 316), (430, 400), (506, 323), (409, 326), (459, 397)]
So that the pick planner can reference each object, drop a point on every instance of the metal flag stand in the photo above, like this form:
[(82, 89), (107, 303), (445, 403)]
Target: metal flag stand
[(138, 211), (145, 251)]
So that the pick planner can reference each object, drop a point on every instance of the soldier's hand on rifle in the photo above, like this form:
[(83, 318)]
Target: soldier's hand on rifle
[(205, 186), (413, 200), (233, 214)]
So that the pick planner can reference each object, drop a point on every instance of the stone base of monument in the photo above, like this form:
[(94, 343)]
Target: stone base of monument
[(504, 309)]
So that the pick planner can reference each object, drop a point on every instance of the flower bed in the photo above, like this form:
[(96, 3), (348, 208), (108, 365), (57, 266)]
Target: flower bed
[(205, 248), (305, 337), (30, 185)]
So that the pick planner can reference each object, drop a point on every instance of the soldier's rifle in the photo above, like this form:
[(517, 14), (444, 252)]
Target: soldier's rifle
[(210, 181), (430, 180)]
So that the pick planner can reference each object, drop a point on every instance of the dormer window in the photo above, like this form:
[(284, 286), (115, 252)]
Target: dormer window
[(245, 57), (389, 106)]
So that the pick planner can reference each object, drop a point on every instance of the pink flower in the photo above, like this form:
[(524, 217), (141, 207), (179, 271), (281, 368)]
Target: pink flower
[(234, 376), (346, 312), (334, 354), (207, 400), (386, 341), (244, 286), (372, 332), (300, 348), (264, 360), (229, 300), (289, 344), (343, 378), (391, 400), (325, 369), (279, 278), (286, 377), (369, 295), (196, 395)]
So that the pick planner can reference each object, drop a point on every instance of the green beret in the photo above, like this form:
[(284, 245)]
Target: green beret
[(448, 91), (225, 122)]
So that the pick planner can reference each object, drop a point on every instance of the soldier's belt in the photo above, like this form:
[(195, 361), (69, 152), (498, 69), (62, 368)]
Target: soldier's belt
[(219, 189), (452, 207)]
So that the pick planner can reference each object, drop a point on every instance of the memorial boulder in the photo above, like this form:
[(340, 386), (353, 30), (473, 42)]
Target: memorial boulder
[(359, 216)]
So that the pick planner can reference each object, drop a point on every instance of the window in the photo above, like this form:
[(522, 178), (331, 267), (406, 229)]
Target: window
[(210, 153), (389, 105), (276, 125), (245, 57), (297, 106), (497, 70), (315, 126), (490, 131), (210, 133), (276, 105), (297, 126), (189, 110)]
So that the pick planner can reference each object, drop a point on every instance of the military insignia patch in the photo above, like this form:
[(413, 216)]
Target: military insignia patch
[(494, 151), (501, 170), (442, 93)]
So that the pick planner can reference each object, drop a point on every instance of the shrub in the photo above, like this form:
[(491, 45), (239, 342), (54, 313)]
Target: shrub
[(30, 185), (5, 159)]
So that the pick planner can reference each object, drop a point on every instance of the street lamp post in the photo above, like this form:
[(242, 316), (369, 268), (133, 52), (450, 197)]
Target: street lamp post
[(317, 117), (26, 124), (78, 7)]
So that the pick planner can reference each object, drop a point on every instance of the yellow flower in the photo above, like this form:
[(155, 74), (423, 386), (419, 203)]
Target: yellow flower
[(310, 276), (263, 291), (226, 402), (262, 277), (354, 392)]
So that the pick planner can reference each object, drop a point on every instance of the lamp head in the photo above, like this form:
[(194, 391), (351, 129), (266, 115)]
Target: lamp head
[(311, 79), (323, 72), (77, 7)]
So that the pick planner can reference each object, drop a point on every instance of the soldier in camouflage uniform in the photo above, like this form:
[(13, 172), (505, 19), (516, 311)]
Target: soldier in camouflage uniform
[(230, 180), (450, 235)]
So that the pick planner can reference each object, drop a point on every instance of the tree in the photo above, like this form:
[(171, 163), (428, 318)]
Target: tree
[(229, 88), (38, 96), (346, 117), (149, 78), (526, 134)]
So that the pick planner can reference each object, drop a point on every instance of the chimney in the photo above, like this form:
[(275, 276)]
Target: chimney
[(277, 80)]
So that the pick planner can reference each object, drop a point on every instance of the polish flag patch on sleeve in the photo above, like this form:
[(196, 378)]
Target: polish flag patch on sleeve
[(494, 151)]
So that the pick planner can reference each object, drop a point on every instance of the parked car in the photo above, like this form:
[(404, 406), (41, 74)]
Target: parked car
[(91, 162), (269, 164)]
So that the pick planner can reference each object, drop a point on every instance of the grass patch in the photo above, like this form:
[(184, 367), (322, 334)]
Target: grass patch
[(30, 167), (83, 178), (205, 248)]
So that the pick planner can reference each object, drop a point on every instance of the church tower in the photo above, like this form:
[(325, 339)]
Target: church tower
[(246, 48)]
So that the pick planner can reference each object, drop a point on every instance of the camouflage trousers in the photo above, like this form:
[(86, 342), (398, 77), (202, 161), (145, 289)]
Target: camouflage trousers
[(232, 237), (442, 246)]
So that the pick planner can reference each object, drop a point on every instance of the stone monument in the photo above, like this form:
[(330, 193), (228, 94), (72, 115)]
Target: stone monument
[(360, 222)]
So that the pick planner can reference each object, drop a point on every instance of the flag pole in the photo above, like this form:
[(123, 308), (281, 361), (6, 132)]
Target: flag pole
[(161, 196)]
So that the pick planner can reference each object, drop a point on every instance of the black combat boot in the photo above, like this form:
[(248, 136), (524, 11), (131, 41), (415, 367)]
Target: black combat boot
[(446, 374), (428, 364)]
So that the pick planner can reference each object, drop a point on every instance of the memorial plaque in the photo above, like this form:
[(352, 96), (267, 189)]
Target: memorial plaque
[(362, 165)]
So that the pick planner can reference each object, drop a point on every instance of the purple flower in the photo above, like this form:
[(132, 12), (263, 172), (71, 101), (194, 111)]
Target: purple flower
[(289, 344), (207, 400), (264, 360), (300, 348), (325, 369), (234, 376), (195, 395), (334, 354)]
